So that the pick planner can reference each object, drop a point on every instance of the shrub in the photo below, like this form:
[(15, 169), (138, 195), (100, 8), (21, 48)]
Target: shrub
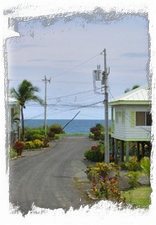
[(101, 169), (133, 178), (95, 154), (29, 145), (132, 165), (18, 147), (51, 134), (38, 143), (54, 129), (35, 144), (104, 184), (34, 133), (46, 142), (145, 165), (96, 132), (12, 153)]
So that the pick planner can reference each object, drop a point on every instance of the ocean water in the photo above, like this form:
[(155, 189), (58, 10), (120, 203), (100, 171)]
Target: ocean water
[(75, 126)]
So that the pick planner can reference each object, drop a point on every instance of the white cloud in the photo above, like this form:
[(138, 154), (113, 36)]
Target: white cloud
[(61, 51)]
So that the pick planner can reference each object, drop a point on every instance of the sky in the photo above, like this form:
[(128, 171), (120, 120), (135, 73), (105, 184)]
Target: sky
[(68, 52)]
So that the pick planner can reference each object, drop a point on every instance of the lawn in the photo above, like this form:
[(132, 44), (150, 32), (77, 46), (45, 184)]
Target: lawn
[(139, 197)]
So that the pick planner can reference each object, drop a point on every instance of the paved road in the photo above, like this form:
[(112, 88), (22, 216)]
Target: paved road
[(47, 179)]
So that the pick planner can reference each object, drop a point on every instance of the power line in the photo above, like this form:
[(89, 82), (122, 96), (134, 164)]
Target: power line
[(62, 73), (73, 107), (80, 64), (70, 95)]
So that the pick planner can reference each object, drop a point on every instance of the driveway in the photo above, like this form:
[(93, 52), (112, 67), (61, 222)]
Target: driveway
[(48, 179)]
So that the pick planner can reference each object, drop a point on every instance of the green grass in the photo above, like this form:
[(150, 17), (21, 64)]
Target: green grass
[(139, 197), (76, 134)]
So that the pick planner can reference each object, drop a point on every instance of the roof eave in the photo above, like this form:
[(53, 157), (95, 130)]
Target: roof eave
[(130, 102)]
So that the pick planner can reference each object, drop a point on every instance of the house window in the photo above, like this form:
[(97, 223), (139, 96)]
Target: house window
[(143, 119)]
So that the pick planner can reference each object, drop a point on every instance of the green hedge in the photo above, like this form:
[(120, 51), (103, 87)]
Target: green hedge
[(34, 133), (95, 154)]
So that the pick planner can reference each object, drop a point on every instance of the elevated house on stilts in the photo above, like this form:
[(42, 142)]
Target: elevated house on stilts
[(131, 125)]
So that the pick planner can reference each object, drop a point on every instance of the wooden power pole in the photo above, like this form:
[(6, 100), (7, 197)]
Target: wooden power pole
[(106, 127), (45, 104)]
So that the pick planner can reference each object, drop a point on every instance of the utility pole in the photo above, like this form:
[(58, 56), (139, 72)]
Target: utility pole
[(45, 104), (105, 84)]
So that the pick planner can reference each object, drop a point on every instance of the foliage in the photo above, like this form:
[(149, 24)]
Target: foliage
[(35, 144), (24, 93), (38, 143), (145, 165), (12, 153), (54, 129), (18, 147), (135, 86), (29, 145), (96, 132), (132, 165), (130, 89), (101, 169), (139, 197), (95, 154), (133, 178), (34, 133), (46, 142), (104, 180)]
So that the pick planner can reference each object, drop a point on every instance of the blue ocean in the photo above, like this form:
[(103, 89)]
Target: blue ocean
[(75, 126)]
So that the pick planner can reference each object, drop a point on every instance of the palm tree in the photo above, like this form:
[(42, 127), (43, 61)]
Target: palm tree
[(25, 92)]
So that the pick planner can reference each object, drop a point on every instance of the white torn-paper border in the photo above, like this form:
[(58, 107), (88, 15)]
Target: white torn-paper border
[(103, 212)]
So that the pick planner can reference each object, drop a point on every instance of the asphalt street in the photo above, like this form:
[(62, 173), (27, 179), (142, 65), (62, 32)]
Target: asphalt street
[(47, 178)]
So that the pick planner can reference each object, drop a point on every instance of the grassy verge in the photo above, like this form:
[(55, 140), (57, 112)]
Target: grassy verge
[(76, 134), (139, 197), (12, 154)]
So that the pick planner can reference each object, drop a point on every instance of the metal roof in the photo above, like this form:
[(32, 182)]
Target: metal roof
[(140, 95)]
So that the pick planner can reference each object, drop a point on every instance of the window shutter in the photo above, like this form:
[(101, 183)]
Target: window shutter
[(132, 119)]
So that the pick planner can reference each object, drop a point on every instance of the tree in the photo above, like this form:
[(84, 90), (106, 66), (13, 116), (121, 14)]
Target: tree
[(134, 87), (25, 92)]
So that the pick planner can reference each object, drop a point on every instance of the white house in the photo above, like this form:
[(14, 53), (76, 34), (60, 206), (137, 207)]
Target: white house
[(13, 118), (131, 123)]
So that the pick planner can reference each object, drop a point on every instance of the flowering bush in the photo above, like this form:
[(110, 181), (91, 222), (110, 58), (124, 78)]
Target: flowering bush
[(96, 132), (19, 146), (104, 181), (29, 145), (38, 143), (95, 154), (35, 144)]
